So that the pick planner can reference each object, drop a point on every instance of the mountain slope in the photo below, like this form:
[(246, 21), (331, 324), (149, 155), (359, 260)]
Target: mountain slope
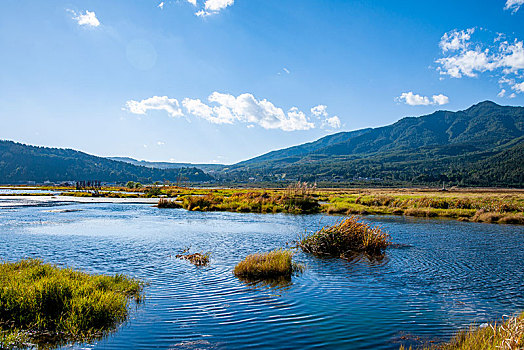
[(21, 163), (208, 168), (442, 146)]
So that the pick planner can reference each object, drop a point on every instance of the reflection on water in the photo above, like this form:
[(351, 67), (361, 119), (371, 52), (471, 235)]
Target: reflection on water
[(444, 275)]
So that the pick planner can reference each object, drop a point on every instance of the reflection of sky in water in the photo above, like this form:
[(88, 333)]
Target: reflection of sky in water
[(447, 275)]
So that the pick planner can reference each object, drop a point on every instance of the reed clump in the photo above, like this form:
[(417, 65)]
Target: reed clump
[(168, 203), (271, 265), (42, 300), (345, 238), (507, 335)]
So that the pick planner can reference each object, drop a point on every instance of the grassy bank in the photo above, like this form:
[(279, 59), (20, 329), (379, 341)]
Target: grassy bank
[(44, 303), (506, 335)]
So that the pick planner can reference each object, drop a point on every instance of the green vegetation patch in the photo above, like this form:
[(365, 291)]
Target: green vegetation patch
[(345, 239), (508, 334), (271, 265), (44, 303)]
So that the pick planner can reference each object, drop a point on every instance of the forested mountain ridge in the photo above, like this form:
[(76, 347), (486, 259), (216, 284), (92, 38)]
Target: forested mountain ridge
[(477, 146), (22, 163)]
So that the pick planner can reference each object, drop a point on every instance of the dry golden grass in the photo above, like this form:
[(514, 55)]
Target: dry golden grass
[(508, 335), (270, 265), (345, 238)]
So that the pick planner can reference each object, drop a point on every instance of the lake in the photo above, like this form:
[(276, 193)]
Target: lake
[(442, 276)]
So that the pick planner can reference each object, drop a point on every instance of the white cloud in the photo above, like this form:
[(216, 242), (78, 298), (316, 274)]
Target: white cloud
[(464, 57), (333, 122), (217, 5), (160, 143), (456, 39), (245, 108), (192, 2), (513, 5), (212, 7), (319, 111), (412, 99), (170, 105), (502, 93), (87, 19), (513, 95), (161, 5), (518, 87), (286, 70)]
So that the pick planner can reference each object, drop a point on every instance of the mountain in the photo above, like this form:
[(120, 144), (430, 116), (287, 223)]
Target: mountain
[(22, 163), (208, 168), (480, 146)]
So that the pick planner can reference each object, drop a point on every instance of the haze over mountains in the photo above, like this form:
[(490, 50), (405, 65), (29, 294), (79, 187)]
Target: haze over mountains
[(480, 146)]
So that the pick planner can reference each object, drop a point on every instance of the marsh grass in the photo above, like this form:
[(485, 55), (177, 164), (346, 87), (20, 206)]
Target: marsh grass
[(276, 265), (345, 239), (40, 300), (168, 203), (507, 335)]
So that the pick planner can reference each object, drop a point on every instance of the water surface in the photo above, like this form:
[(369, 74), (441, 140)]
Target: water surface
[(445, 275)]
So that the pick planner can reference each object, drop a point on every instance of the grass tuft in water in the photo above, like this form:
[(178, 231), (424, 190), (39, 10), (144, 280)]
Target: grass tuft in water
[(346, 238), (197, 259), (508, 335), (271, 265), (40, 300)]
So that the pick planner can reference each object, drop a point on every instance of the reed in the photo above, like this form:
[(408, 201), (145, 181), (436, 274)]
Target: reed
[(168, 203), (270, 265), (345, 238), (39, 299), (507, 335)]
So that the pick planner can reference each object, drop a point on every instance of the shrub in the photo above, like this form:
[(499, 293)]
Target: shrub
[(271, 265), (346, 238), (40, 299)]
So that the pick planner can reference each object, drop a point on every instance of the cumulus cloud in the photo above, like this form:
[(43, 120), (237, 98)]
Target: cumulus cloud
[(464, 57), (245, 108), (161, 5), (332, 122), (518, 87), (502, 93), (327, 122), (170, 105), (513, 5), (192, 2), (87, 19), (212, 7), (412, 99)]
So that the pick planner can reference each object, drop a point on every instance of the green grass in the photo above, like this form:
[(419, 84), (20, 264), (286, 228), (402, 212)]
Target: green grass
[(38, 299), (271, 265), (345, 239), (507, 335)]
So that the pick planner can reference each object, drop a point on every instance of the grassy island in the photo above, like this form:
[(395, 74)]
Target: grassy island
[(345, 239), (271, 265), (43, 303)]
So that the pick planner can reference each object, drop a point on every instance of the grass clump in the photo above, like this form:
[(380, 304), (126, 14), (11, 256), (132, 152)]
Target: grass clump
[(168, 203), (42, 301), (345, 238), (271, 265), (507, 335)]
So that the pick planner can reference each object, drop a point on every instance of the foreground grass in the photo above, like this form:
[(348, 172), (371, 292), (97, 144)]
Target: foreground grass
[(42, 301), (345, 239), (271, 265), (508, 335)]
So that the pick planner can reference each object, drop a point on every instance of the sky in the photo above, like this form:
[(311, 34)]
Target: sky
[(220, 81)]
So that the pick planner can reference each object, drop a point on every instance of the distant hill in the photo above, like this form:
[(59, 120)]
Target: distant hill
[(208, 168), (480, 146), (21, 163)]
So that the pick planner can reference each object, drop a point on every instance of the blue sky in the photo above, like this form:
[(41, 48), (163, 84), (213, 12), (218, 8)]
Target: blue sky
[(227, 80)]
